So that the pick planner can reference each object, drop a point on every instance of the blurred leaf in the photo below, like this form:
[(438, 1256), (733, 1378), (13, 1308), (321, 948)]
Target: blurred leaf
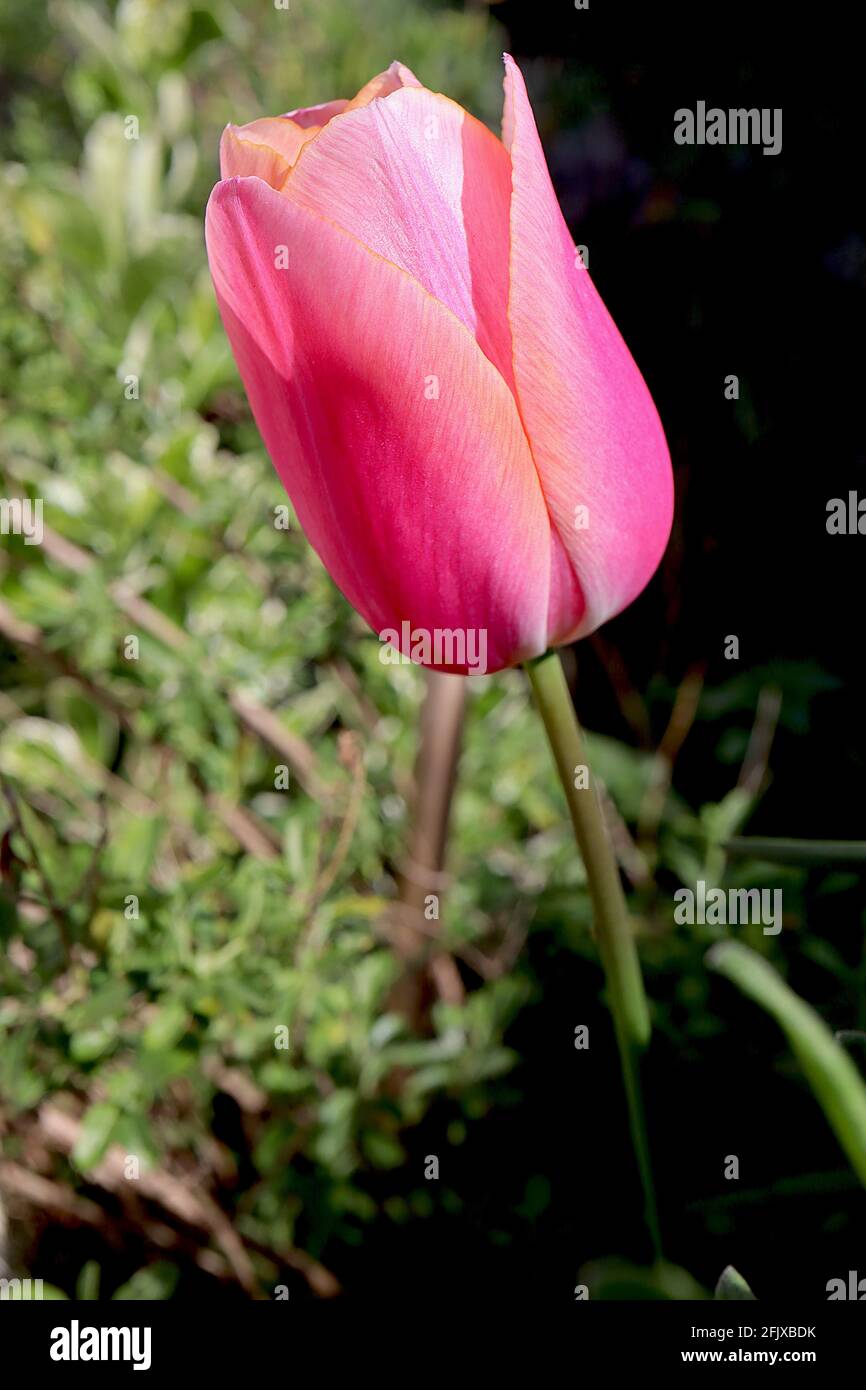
[(97, 1132), (87, 1285), (838, 1086), (152, 1284), (732, 1286), (799, 851), (615, 1280), (167, 1026)]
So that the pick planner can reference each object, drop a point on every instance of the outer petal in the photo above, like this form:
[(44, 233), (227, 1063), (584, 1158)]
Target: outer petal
[(424, 510), (428, 187), (592, 426)]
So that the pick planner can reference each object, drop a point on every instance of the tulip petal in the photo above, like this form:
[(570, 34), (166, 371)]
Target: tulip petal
[(594, 431), (395, 77), (428, 187), (398, 442), (265, 149), (314, 117)]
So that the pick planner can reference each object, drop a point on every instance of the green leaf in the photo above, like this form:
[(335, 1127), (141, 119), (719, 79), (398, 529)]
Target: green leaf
[(133, 1133), (152, 1284), (167, 1026), (721, 819), (96, 1135), (87, 1284), (383, 1150), (68, 704), (732, 1286), (831, 1073), (616, 1280), (798, 851), (90, 1043), (133, 848)]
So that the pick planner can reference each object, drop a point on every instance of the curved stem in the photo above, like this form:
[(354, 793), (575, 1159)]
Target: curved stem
[(613, 934)]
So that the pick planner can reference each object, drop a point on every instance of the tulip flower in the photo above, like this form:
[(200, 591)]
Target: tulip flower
[(463, 433)]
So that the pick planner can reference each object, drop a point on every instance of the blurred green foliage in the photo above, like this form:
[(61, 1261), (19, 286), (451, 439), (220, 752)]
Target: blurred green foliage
[(152, 956), (122, 409)]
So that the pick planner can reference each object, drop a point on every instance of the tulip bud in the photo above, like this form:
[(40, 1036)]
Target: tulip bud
[(463, 433)]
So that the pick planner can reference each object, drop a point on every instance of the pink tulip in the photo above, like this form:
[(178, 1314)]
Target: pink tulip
[(464, 435)]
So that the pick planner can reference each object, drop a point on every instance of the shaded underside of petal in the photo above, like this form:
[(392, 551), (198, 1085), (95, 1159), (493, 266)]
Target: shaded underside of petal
[(566, 604), (428, 187), (398, 443), (316, 116), (595, 434)]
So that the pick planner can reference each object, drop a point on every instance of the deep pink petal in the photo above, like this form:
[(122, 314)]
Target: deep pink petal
[(428, 187), (424, 510), (594, 431)]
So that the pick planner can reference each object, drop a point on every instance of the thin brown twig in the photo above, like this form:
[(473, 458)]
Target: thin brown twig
[(630, 858), (195, 1208), (44, 1194), (682, 718), (757, 758), (486, 967)]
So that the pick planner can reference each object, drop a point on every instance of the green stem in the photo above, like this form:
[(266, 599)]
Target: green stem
[(613, 934)]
